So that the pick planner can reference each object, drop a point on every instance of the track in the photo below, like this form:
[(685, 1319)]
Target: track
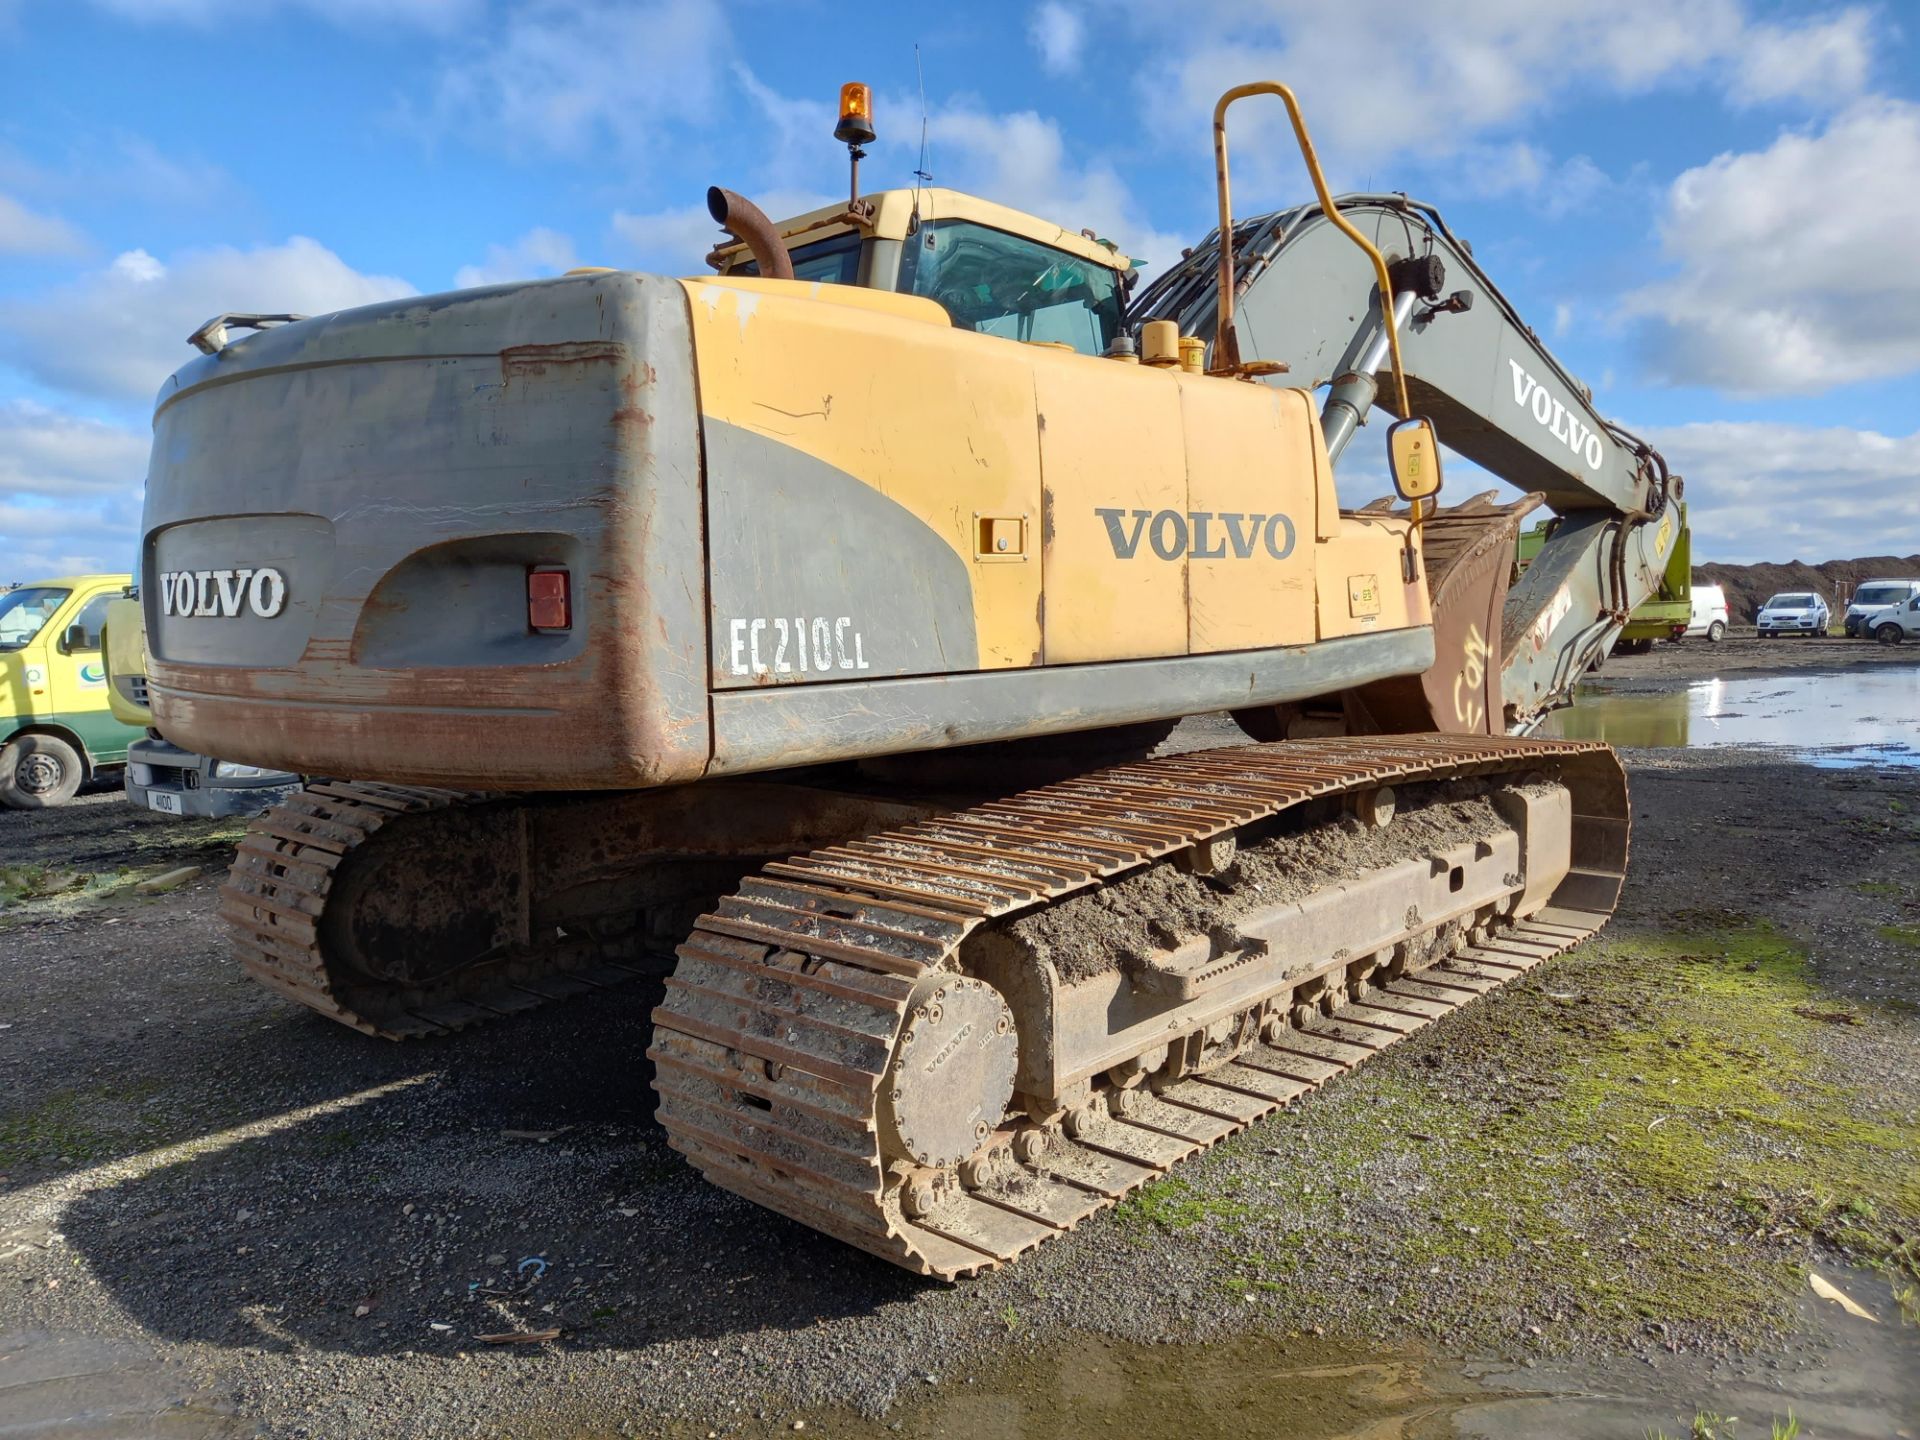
[(278, 891), (405, 911), (791, 1020)]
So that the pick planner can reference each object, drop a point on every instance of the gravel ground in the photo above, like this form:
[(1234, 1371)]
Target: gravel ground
[(224, 1215)]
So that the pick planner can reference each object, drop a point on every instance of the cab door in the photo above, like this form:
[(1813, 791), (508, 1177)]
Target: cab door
[(77, 674)]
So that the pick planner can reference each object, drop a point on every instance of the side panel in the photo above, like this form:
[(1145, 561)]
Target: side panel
[(1360, 580), (1253, 458), (856, 444), (816, 576), (123, 650), (1115, 469)]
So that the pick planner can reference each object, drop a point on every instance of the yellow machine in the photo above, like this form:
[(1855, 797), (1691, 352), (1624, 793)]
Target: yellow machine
[(817, 621)]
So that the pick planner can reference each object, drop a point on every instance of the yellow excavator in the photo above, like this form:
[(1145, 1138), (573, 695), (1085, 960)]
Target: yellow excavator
[(809, 634)]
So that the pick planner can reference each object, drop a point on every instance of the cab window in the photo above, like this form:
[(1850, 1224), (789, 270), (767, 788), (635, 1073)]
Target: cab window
[(836, 261), (91, 618), (1001, 284), (24, 613)]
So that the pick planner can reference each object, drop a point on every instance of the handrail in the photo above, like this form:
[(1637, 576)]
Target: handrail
[(1226, 346)]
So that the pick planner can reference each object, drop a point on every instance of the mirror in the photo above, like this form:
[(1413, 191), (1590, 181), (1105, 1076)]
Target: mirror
[(78, 640), (1413, 455)]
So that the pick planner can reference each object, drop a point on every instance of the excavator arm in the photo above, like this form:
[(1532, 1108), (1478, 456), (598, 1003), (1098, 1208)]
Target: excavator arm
[(1308, 298)]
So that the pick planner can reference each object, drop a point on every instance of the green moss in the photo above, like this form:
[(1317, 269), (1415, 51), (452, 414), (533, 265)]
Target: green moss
[(1675, 1118), (1172, 1204), (1877, 888), (1908, 935), (78, 1127), (39, 892), (20, 884)]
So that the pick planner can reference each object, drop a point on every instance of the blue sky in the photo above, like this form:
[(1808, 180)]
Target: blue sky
[(1707, 206)]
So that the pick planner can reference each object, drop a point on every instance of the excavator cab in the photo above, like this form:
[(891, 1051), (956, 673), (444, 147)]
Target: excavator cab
[(994, 270)]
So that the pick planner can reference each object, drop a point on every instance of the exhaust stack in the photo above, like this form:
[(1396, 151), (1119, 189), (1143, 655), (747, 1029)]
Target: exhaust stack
[(747, 222)]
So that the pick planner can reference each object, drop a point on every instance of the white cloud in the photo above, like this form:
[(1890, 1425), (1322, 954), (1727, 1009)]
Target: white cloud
[(70, 491), (1381, 79), (1022, 160), (1785, 280), (1762, 490), (1825, 57), (565, 76), (121, 330), (1059, 34), (26, 232), (44, 451), (1519, 168), (539, 252)]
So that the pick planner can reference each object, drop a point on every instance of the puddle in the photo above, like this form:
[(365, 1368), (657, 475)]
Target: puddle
[(79, 1388), (1832, 720), (1841, 1378)]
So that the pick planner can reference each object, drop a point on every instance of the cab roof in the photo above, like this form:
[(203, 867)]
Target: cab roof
[(72, 582), (893, 211)]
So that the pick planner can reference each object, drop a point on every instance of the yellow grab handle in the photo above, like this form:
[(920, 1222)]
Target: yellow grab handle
[(1226, 346)]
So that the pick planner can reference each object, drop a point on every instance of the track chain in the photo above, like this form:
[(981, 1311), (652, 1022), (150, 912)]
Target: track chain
[(277, 890), (782, 1017)]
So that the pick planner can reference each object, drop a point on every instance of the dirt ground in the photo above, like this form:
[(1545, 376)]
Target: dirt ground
[(1604, 1187), (1744, 653)]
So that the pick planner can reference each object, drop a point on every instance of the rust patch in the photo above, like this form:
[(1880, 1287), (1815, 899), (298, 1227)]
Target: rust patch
[(524, 360)]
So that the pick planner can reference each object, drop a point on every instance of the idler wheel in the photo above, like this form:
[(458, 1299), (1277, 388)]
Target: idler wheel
[(951, 1075)]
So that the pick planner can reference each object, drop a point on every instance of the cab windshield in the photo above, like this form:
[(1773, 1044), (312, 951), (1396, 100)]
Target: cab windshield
[(25, 612), (1880, 594), (1000, 284)]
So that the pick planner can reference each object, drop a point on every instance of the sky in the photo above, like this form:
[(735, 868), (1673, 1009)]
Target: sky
[(1707, 208)]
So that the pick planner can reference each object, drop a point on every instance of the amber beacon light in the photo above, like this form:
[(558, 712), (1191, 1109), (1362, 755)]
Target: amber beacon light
[(856, 114)]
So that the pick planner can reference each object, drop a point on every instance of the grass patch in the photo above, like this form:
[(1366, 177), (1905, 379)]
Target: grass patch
[(1879, 889), (1649, 1136), (1173, 1205), (1709, 1426), (1908, 935), (79, 1127), (42, 890)]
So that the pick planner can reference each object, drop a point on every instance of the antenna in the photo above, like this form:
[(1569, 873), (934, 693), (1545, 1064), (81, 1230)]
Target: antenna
[(921, 176)]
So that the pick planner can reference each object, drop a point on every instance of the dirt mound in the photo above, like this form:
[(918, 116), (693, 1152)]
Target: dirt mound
[(1748, 587)]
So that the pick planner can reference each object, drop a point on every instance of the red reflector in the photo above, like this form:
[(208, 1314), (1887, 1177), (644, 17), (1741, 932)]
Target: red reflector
[(549, 600)]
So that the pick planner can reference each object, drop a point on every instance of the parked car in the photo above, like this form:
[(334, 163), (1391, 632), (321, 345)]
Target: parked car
[(1875, 599), (1895, 623), (1798, 612), (1709, 616)]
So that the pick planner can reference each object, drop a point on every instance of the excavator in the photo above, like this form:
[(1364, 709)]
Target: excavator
[(808, 636)]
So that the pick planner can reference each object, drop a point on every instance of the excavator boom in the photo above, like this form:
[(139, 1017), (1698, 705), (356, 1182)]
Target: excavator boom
[(1306, 298)]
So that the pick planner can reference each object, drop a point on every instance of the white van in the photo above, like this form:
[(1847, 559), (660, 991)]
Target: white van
[(1878, 603), (1709, 613)]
